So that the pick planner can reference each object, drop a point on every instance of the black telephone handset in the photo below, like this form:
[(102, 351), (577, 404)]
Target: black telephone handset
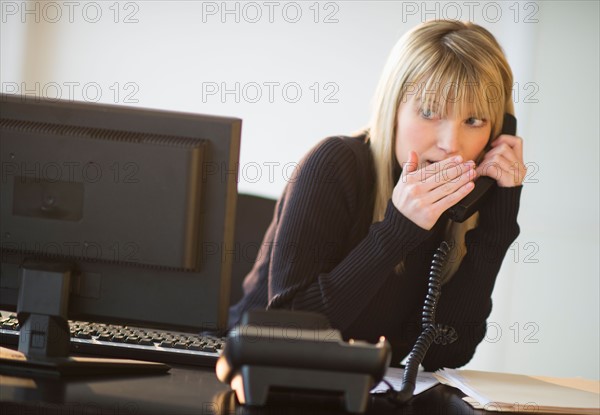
[(470, 203)]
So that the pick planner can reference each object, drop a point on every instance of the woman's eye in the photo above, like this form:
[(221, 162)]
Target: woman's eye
[(475, 122), (427, 113)]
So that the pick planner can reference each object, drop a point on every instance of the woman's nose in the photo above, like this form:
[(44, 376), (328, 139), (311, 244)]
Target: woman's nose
[(449, 137)]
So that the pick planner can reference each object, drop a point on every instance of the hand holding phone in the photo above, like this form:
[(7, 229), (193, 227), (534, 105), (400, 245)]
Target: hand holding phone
[(502, 165), (504, 161)]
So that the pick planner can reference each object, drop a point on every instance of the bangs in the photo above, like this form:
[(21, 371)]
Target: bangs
[(465, 89)]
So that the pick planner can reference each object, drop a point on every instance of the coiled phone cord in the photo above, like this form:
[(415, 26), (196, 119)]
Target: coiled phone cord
[(432, 332)]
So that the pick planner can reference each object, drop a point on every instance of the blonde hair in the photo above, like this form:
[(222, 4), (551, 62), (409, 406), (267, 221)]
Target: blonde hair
[(449, 65)]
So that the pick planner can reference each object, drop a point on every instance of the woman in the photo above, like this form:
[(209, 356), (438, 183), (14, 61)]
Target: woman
[(354, 232)]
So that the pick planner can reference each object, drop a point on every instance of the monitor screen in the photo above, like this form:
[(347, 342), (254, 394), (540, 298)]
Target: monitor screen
[(139, 202)]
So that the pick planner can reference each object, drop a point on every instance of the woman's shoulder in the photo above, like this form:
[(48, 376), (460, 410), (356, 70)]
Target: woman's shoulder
[(340, 149), (335, 163)]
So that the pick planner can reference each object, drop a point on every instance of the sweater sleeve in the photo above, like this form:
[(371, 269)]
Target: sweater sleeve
[(465, 302), (314, 221)]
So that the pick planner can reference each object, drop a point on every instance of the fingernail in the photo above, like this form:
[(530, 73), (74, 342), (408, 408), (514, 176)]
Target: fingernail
[(458, 159)]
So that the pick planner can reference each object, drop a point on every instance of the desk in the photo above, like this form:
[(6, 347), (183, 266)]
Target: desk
[(185, 390)]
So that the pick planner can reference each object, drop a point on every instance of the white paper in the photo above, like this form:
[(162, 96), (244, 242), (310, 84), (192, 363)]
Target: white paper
[(425, 380), (524, 394)]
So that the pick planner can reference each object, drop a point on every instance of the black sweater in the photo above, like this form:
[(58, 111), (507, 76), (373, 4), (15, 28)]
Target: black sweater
[(322, 231)]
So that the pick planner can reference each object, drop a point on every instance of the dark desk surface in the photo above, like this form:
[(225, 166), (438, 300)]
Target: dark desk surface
[(185, 390)]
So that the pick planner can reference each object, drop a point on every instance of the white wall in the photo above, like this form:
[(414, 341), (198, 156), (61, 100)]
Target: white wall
[(167, 54), (555, 291)]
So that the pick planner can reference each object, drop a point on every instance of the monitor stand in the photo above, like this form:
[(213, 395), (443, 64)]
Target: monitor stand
[(44, 339)]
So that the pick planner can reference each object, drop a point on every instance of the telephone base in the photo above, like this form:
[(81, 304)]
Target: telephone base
[(253, 383), (283, 351)]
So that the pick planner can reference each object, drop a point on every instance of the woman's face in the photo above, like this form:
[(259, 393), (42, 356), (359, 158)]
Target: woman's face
[(435, 137)]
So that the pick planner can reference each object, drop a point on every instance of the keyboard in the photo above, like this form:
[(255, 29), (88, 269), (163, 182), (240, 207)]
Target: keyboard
[(109, 340)]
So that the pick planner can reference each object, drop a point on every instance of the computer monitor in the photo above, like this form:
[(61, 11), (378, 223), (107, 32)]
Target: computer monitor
[(138, 203)]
